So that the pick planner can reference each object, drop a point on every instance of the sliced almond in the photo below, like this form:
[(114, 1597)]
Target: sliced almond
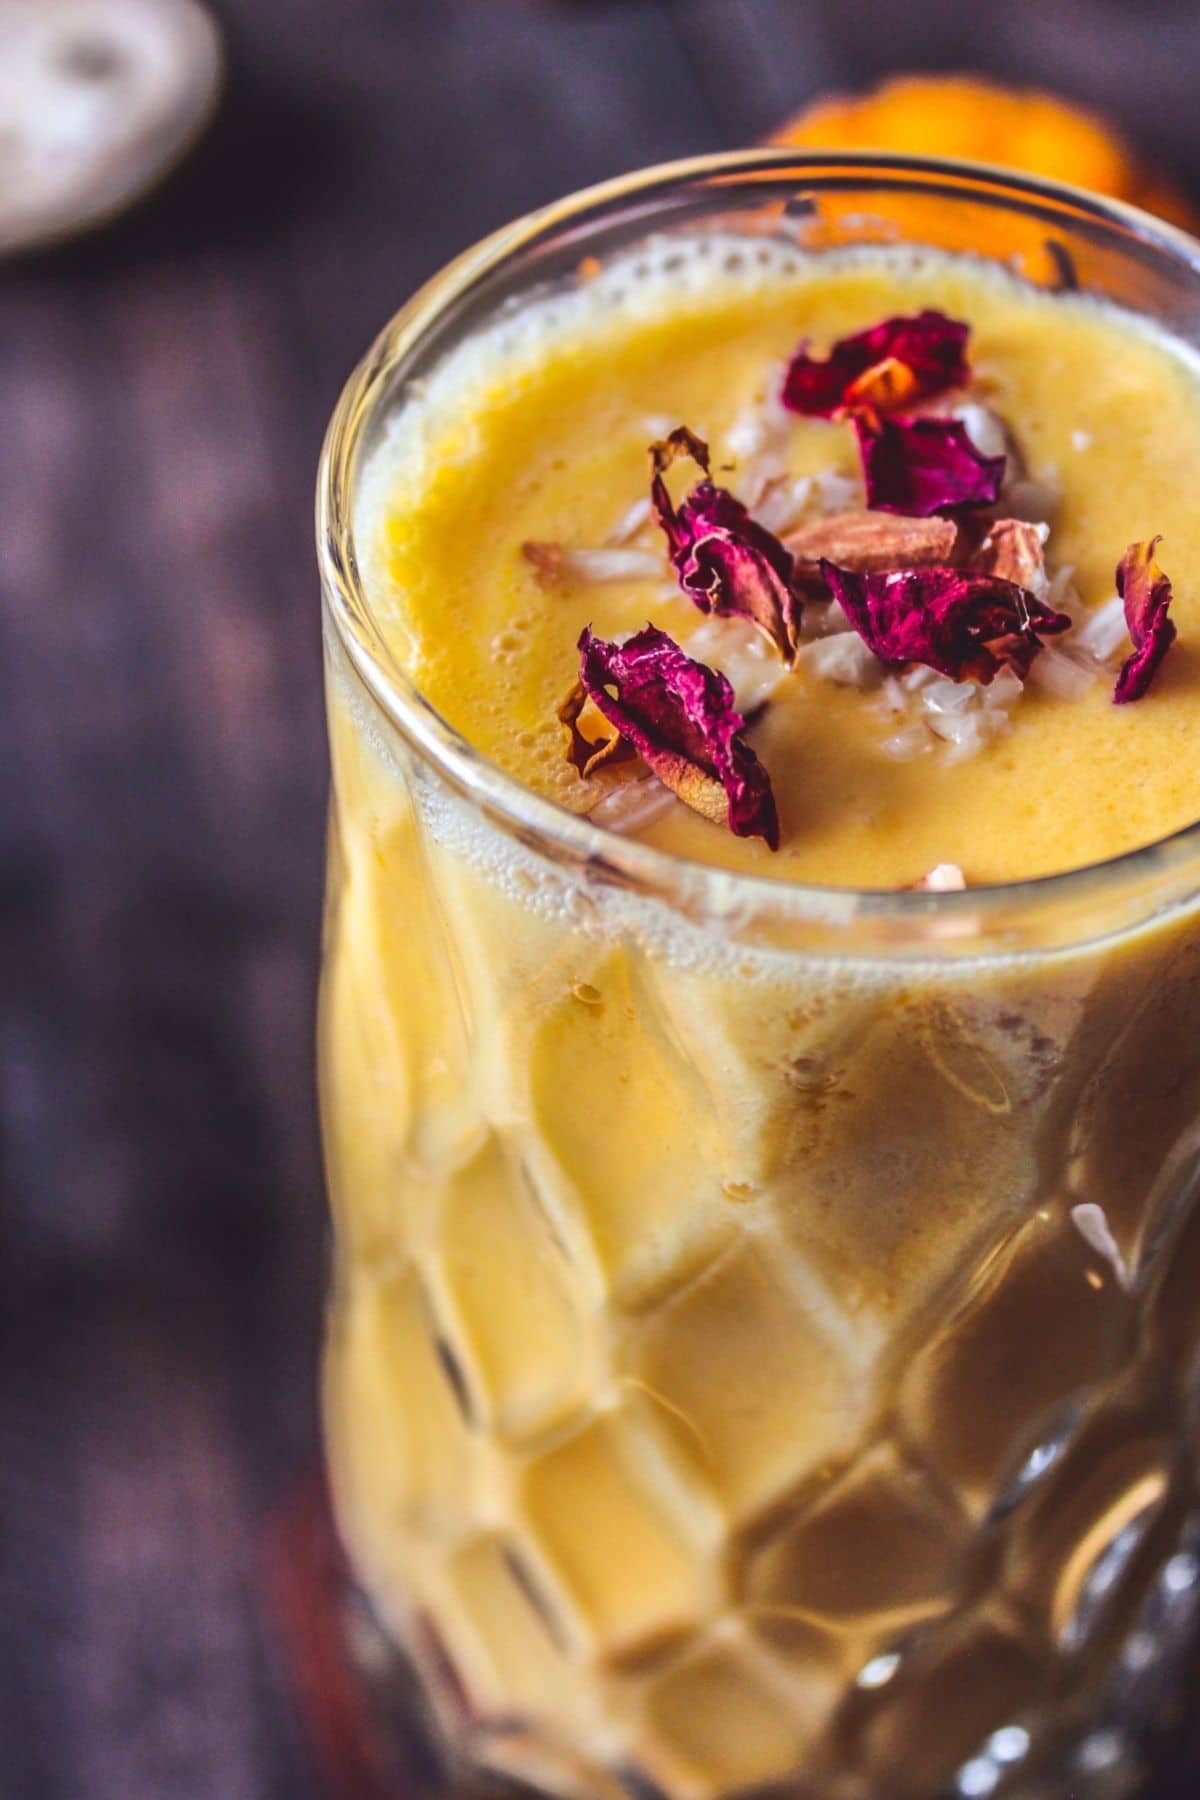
[(1015, 551), (560, 565), (869, 541)]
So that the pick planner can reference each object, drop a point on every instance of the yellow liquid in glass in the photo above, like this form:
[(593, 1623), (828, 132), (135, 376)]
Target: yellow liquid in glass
[(720, 1373)]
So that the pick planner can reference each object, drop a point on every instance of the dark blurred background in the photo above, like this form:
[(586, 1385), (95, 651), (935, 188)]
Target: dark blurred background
[(163, 389)]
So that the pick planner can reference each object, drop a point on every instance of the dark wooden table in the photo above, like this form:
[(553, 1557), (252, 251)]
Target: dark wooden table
[(163, 390)]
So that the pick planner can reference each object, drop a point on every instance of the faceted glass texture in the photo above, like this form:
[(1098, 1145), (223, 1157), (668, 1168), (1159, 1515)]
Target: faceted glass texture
[(724, 1393)]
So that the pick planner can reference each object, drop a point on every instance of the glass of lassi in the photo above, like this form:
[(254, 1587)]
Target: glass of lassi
[(760, 1027)]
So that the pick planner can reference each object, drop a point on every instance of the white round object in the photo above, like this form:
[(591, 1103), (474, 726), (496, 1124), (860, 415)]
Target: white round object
[(98, 98)]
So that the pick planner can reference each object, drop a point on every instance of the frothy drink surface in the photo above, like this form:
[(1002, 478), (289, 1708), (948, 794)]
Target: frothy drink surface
[(539, 434), (741, 1365)]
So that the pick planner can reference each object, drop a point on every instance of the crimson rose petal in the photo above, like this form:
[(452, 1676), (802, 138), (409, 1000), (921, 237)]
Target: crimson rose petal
[(898, 361), (1146, 592), (924, 466), (968, 627), (680, 717), (726, 562)]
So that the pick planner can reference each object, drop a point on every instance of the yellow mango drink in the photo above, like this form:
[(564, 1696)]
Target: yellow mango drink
[(759, 1034)]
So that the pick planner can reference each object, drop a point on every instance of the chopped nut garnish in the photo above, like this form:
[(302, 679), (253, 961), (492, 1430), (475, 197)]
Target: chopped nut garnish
[(867, 542), (1014, 550), (679, 716), (943, 611), (590, 565)]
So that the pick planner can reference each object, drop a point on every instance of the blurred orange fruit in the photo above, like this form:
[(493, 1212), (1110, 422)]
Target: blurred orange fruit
[(961, 116)]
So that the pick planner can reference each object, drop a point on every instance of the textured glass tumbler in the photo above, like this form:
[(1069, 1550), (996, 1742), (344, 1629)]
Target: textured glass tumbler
[(765, 1322)]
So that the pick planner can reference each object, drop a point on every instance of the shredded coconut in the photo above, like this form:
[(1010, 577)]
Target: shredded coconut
[(823, 618), (842, 658), (1063, 676), (837, 493), (749, 662), (632, 522), (1062, 595), (965, 733), (1005, 690), (1102, 631), (941, 695), (784, 503), (632, 805), (933, 712), (908, 743), (758, 441), (985, 428), (943, 878)]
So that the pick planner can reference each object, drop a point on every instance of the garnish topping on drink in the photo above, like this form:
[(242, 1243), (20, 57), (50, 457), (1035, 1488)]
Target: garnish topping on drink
[(969, 627), (924, 466), (726, 562), (866, 542), (1146, 592), (910, 465), (895, 363), (679, 715), (898, 594)]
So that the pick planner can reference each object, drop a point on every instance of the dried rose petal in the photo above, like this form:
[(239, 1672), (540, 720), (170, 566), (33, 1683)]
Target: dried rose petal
[(680, 717), (1146, 592), (968, 627), (923, 466), (587, 754), (894, 363), (726, 562)]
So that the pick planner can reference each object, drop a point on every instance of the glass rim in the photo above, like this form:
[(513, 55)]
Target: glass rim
[(541, 824)]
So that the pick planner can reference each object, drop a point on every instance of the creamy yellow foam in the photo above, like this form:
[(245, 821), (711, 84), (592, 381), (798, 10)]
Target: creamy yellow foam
[(537, 429)]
